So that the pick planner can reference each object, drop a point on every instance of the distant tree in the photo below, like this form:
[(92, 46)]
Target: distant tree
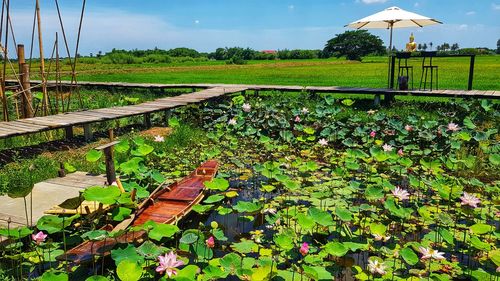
[(419, 46), (455, 47), (498, 46), (424, 47), (91, 55), (354, 45), (445, 47), (99, 54), (430, 46), (182, 52)]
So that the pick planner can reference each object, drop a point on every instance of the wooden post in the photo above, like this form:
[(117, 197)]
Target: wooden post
[(110, 163), (26, 97), (393, 66), (376, 101), (168, 114), (147, 120), (471, 72), (87, 132), (45, 102), (69, 132)]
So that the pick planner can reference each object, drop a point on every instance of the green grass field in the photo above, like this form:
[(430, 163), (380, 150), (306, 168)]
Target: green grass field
[(372, 72)]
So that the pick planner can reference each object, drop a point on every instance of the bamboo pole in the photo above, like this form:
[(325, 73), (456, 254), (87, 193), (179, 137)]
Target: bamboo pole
[(5, 109), (58, 77), (45, 102), (26, 96)]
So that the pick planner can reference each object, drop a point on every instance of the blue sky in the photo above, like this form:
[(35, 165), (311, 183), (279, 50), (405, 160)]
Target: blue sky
[(260, 24)]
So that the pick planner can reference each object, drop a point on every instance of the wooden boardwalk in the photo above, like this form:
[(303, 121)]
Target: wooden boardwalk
[(45, 195), (68, 120)]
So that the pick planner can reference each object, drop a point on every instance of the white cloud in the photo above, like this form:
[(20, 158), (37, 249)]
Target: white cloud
[(495, 6), (196, 22), (463, 27), (373, 1), (470, 13), (291, 7), (416, 4)]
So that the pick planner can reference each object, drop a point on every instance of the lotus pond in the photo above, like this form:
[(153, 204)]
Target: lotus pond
[(310, 187)]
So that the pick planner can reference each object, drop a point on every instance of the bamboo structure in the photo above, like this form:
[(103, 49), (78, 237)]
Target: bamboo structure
[(22, 100), (45, 99)]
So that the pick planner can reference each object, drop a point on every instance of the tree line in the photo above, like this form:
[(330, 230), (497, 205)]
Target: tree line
[(351, 44)]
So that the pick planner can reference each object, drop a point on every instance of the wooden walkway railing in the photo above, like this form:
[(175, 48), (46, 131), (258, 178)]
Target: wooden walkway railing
[(86, 118)]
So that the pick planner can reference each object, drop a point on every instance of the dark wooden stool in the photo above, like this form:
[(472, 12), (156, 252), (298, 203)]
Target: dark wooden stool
[(405, 67), (425, 70)]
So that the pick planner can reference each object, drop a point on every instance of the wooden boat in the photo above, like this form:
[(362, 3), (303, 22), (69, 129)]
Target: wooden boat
[(165, 205)]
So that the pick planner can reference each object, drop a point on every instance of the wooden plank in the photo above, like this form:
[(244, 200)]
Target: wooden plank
[(26, 128)]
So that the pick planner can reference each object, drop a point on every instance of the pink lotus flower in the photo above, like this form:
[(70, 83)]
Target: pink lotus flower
[(305, 110), (246, 107), (453, 127), (304, 249), (400, 193), (232, 122), (159, 139), (210, 242), (428, 253), (297, 119), (408, 128), (470, 200), (39, 237), (323, 142), (169, 264), (400, 152), (376, 267), (387, 147), (373, 134)]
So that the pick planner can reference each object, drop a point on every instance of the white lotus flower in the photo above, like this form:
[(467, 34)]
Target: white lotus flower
[(428, 253), (376, 267), (387, 147), (159, 139), (400, 193), (246, 107)]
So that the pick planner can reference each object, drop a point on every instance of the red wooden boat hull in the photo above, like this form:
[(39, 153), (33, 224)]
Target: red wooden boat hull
[(168, 206)]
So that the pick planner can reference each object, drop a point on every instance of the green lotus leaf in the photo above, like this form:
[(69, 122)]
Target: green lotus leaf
[(481, 228), (105, 195), (120, 213), (284, 241), (248, 207), (160, 230), (129, 253), (245, 246), (16, 233), (201, 209), (129, 271), (189, 238), (344, 214), (93, 155), (409, 256), (218, 184), (480, 245), (336, 249), (213, 199), (320, 217), (54, 276)]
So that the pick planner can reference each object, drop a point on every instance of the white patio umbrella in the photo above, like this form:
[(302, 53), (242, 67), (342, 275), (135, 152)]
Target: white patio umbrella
[(393, 17)]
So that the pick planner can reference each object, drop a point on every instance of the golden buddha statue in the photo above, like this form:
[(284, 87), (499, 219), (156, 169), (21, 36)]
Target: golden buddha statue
[(411, 46)]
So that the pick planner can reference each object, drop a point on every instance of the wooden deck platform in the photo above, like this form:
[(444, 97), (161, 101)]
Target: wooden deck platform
[(45, 195), (68, 120)]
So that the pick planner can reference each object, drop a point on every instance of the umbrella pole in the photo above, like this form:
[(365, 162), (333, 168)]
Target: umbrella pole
[(389, 66)]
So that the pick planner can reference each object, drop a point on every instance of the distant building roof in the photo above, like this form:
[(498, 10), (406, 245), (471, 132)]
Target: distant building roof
[(269, 51)]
